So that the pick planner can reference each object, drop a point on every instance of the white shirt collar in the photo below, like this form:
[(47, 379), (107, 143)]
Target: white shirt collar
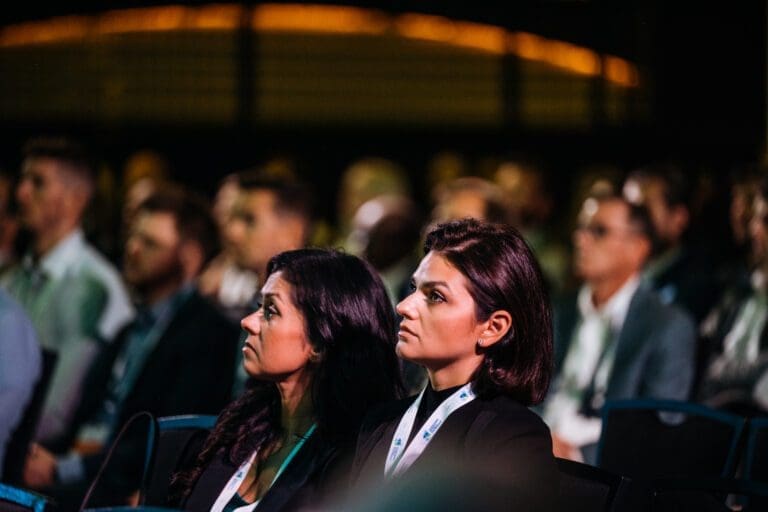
[(615, 309), (64, 254)]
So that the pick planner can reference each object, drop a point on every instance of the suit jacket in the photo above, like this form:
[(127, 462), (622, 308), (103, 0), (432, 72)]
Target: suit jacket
[(496, 447), (189, 371), (307, 481), (689, 282), (655, 349), (734, 390)]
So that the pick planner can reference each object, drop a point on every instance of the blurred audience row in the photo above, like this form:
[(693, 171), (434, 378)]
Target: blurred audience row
[(640, 311)]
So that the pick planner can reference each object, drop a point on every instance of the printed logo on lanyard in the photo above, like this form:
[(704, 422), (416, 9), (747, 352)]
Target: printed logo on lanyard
[(400, 457)]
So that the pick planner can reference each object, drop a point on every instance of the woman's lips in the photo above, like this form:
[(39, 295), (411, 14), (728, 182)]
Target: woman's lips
[(405, 330)]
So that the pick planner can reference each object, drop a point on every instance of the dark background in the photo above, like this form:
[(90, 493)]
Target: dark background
[(705, 64)]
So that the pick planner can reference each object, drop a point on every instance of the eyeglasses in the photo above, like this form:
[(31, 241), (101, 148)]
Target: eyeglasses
[(599, 231)]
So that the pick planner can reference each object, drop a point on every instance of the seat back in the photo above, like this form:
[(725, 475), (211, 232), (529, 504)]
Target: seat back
[(180, 439), (756, 458), (649, 439), (586, 487), (13, 499), (21, 437)]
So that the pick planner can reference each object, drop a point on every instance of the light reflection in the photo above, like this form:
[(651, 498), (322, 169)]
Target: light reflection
[(328, 19)]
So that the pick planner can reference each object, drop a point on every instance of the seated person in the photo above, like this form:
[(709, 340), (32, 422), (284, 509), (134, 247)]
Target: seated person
[(176, 357), (478, 320), (320, 348), (736, 376), (20, 366), (615, 339)]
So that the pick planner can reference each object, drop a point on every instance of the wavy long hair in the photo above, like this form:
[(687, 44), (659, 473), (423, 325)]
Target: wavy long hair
[(350, 323)]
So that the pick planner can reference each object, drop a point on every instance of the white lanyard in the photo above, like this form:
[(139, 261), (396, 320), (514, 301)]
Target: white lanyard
[(401, 457), (234, 483)]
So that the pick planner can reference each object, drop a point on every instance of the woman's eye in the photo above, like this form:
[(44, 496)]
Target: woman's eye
[(435, 297), (269, 311)]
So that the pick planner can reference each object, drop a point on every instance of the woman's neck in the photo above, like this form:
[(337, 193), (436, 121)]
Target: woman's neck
[(454, 374), (296, 412)]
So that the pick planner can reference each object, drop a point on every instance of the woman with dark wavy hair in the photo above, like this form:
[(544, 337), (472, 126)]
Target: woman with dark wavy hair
[(320, 349), (478, 319)]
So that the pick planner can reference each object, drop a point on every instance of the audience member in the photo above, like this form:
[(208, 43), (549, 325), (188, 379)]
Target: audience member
[(479, 321), (223, 281), (736, 376), (321, 350), (9, 224), (270, 215), (74, 297), (386, 231), (363, 180), (531, 207), (20, 367), (680, 273), (176, 357), (616, 339), (472, 197)]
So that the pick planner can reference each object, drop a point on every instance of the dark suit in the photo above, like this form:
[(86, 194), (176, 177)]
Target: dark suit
[(654, 355), (189, 371), (307, 481), (493, 440), (688, 281), (734, 391)]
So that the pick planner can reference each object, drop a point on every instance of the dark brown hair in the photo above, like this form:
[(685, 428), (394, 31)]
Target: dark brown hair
[(503, 274), (350, 323)]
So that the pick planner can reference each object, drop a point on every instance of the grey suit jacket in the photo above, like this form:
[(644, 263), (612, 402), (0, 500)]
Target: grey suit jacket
[(655, 349)]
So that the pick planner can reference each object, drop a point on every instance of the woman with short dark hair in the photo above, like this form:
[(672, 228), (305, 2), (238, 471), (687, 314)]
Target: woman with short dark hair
[(320, 349), (479, 321)]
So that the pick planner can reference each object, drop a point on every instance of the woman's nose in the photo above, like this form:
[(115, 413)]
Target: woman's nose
[(404, 308), (252, 323)]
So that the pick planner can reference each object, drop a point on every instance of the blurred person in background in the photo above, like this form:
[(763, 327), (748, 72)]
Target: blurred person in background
[(531, 206), (20, 368), (74, 296), (270, 215), (223, 281), (734, 334), (9, 223), (176, 357), (471, 197), (615, 339), (363, 180), (386, 232), (680, 273)]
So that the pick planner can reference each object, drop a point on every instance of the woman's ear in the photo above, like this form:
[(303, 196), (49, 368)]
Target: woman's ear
[(314, 355), (496, 327)]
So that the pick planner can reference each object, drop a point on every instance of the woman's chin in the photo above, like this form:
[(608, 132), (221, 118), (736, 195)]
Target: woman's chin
[(405, 351)]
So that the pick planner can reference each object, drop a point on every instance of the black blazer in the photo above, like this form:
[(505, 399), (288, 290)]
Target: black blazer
[(497, 438), (308, 481), (190, 371)]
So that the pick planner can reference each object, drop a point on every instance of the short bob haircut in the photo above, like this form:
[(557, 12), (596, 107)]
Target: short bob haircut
[(503, 274)]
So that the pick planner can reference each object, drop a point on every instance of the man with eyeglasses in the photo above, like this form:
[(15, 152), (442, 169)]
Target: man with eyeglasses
[(615, 339), (734, 334)]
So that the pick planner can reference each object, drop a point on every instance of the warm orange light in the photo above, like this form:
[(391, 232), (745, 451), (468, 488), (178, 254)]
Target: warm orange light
[(328, 19), (63, 28), (151, 19), (457, 33), (319, 18), (215, 17), (621, 72), (555, 53)]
